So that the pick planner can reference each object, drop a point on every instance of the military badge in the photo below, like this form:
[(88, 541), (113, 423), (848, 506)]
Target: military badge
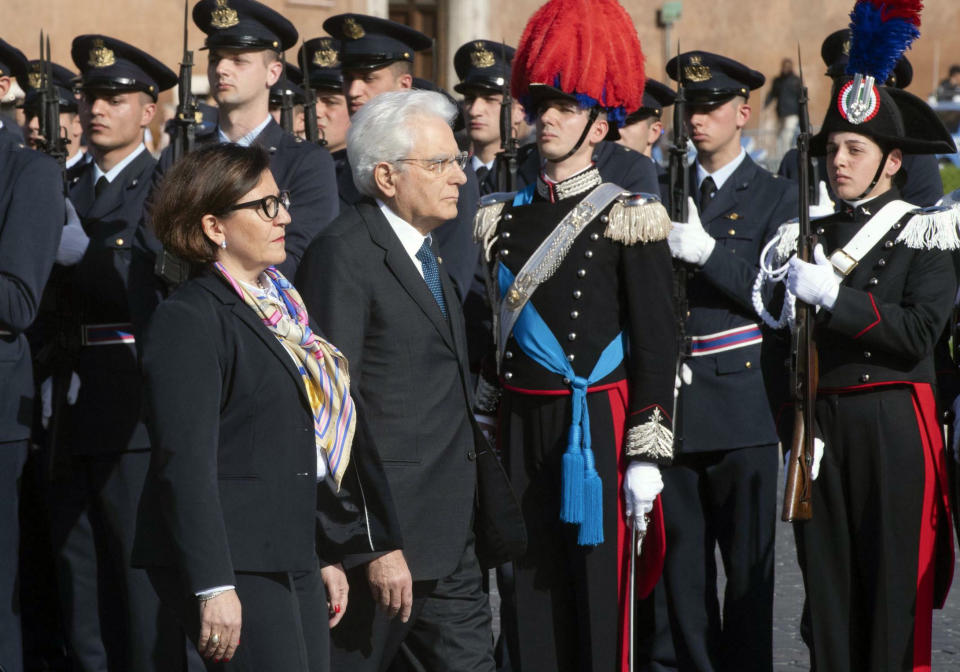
[(223, 16), (481, 57), (696, 71), (352, 29), (858, 104), (326, 57), (101, 56), (35, 77)]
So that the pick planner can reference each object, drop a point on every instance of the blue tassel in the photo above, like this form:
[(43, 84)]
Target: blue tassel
[(591, 529), (877, 45), (571, 502)]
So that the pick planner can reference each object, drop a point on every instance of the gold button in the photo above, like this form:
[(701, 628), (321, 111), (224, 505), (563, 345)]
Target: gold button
[(119, 241), (748, 365), (732, 232)]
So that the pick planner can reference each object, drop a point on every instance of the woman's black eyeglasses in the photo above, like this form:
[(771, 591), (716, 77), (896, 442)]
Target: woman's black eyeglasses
[(268, 205)]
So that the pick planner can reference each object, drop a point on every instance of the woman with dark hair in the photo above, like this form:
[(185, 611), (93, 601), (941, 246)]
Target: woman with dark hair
[(252, 426)]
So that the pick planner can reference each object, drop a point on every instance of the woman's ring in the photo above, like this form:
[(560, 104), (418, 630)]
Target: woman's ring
[(215, 639)]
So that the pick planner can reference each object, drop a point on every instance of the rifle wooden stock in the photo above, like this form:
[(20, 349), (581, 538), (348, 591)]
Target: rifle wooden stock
[(797, 496)]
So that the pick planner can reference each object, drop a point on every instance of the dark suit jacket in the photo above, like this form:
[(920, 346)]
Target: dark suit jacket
[(454, 238), (727, 407), (302, 168), (107, 415), (232, 480), (408, 365), (32, 215)]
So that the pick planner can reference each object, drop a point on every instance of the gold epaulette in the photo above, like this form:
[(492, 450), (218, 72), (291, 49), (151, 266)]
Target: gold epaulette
[(933, 228), (487, 217), (637, 218)]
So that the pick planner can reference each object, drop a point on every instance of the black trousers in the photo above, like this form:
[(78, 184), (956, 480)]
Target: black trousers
[(13, 455), (449, 628), (284, 619), (859, 552), (725, 499), (565, 608), (112, 616)]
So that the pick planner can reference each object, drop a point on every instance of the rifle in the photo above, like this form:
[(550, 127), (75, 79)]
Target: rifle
[(679, 184), (509, 145), (286, 99), (310, 127), (186, 120), (53, 141), (797, 503)]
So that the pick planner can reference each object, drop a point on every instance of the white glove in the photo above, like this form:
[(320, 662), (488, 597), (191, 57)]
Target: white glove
[(816, 283), (684, 377), (641, 485), (824, 205), (487, 425), (688, 241), (818, 446), (46, 397)]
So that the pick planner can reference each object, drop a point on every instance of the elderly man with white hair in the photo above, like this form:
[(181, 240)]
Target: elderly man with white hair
[(376, 287)]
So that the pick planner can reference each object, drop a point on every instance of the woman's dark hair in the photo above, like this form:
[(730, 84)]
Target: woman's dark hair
[(206, 181)]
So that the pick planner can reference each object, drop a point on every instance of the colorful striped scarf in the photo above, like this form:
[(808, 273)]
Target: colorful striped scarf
[(323, 367)]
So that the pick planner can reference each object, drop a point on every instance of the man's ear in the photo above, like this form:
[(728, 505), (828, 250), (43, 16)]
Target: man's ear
[(385, 177)]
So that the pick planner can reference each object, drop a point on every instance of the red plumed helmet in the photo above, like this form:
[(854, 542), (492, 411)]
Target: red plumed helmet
[(587, 49)]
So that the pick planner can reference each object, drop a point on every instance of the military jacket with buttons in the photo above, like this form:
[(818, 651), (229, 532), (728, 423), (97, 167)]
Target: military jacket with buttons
[(890, 310), (726, 406), (106, 416), (601, 288)]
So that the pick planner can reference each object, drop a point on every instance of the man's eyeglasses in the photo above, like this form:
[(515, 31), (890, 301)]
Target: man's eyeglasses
[(441, 165), (268, 205)]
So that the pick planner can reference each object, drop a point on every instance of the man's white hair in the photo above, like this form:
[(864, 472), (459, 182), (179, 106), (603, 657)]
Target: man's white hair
[(384, 129)]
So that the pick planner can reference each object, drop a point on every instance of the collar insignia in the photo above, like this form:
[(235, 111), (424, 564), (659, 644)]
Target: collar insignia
[(223, 16), (696, 71), (101, 56), (352, 29), (481, 57)]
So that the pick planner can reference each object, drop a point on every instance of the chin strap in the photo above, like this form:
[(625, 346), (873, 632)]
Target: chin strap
[(876, 177), (594, 113)]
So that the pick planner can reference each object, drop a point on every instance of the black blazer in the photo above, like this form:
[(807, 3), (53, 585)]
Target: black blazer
[(408, 365), (232, 479), (32, 215)]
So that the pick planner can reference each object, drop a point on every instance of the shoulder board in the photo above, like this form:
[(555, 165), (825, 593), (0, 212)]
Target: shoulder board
[(935, 228), (637, 218), (487, 217)]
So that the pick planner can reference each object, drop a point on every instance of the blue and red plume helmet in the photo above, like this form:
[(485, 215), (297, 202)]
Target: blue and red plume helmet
[(880, 31), (585, 49)]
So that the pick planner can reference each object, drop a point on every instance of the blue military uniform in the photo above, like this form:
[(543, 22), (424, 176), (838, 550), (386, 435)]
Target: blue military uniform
[(110, 610), (722, 487), (32, 215), (302, 168)]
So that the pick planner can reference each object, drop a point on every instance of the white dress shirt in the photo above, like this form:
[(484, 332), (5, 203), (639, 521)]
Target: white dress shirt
[(246, 140), (111, 174), (723, 174), (410, 238)]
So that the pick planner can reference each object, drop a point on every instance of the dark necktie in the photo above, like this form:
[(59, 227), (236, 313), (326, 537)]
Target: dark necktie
[(431, 275), (483, 173), (708, 189), (101, 184)]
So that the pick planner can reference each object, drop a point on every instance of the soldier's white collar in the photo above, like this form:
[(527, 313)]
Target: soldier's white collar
[(111, 174), (723, 174)]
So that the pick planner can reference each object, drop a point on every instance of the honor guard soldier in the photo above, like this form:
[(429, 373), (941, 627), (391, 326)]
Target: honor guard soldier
[(581, 278), (877, 554), (721, 489), (32, 215), (244, 41), (326, 79), (10, 58), (483, 67), (31, 81), (110, 609), (922, 186), (643, 128)]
